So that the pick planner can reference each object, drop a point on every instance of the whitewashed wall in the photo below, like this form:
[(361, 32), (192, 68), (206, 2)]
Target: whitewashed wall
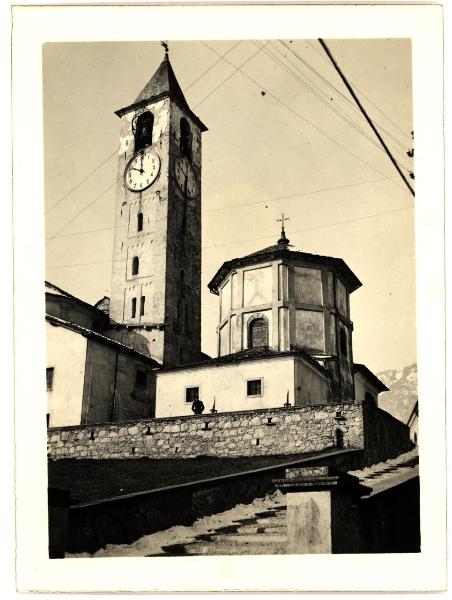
[(66, 353), (227, 383)]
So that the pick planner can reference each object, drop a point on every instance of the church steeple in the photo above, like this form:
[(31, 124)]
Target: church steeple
[(163, 84), (156, 272)]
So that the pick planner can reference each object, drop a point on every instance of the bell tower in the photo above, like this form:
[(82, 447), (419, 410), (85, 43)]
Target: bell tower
[(156, 273)]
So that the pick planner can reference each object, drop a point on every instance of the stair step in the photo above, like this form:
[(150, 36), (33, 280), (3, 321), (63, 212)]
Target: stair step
[(227, 548), (246, 538), (249, 529), (272, 521), (278, 529)]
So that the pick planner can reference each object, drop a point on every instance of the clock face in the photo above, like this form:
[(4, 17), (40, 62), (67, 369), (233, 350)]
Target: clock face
[(142, 170), (185, 176)]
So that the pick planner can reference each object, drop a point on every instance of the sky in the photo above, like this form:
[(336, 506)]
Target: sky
[(284, 136)]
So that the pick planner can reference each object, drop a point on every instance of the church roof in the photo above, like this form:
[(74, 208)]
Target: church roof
[(162, 84), (263, 352), (282, 250)]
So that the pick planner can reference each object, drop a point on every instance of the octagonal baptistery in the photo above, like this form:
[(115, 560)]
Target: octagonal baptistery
[(285, 300)]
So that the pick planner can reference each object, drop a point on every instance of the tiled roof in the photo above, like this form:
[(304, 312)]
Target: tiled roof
[(252, 354), (50, 288), (282, 250)]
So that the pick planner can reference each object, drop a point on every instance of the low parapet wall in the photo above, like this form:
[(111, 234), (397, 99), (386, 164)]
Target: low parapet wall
[(246, 433)]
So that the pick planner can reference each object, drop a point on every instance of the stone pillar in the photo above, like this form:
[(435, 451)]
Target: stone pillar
[(322, 511)]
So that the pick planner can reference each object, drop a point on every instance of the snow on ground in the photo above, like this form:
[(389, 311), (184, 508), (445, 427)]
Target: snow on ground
[(180, 534), (398, 460)]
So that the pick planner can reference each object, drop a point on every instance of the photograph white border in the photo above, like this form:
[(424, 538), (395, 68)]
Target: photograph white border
[(33, 26)]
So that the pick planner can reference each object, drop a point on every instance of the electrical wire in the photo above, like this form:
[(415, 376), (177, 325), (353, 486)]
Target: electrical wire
[(349, 103), (235, 206), (288, 107), (256, 239), (324, 98), (364, 96)]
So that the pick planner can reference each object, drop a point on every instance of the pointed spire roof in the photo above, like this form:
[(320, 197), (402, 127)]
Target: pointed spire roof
[(162, 84)]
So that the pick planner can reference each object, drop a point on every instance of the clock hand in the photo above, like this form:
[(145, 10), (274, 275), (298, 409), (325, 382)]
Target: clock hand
[(133, 169)]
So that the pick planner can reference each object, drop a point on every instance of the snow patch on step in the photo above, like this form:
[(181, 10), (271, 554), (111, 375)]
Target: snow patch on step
[(180, 534)]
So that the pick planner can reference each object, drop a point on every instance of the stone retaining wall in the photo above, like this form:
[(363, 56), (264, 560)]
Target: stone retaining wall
[(246, 433)]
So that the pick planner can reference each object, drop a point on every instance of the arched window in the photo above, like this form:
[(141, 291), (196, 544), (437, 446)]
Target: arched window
[(185, 138), (143, 130), (140, 221), (135, 265), (258, 333), (343, 341)]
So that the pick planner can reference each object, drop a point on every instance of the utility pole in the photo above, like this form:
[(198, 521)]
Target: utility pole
[(366, 116)]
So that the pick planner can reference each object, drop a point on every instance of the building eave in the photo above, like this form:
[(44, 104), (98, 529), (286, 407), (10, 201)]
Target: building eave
[(136, 105), (373, 379), (89, 333), (337, 264), (239, 357)]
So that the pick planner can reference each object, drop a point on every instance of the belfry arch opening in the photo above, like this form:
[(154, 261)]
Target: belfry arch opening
[(143, 130), (258, 333), (185, 138)]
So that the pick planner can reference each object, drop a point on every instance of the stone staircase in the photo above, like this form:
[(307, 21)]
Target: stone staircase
[(263, 533)]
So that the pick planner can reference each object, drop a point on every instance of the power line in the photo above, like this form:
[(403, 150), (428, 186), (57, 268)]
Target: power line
[(323, 98), (338, 187), (212, 66), (98, 262), (235, 206), (231, 74), (267, 237), (83, 210), (368, 119), (117, 148), (364, 96), (82, 181), (305, 119), (334, 88)]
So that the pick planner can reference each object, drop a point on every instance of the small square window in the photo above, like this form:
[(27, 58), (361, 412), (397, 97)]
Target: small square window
[(141, 379), (191, 394), (49, 378), (254, 387)]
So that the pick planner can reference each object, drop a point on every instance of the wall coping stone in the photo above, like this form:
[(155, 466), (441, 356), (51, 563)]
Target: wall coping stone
[(209, 416)]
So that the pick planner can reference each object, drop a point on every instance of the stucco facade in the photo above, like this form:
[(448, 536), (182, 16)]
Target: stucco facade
[(91, 378), (367, 385), (66, 355), (233, 386), (300, 302)]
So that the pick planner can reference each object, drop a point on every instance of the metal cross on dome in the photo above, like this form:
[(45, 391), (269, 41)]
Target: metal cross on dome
[(282, 219), (283, 240)]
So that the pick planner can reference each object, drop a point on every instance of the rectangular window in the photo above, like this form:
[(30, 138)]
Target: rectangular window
[(191, 394), (141, 379), (254, 387), (48, 419), (143, 300), (134, 308), (49, 378)]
